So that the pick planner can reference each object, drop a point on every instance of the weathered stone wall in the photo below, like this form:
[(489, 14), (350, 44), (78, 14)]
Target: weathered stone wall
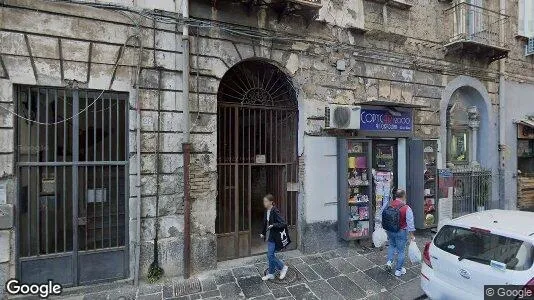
[(390, 54), (397, 55), (58, 44)]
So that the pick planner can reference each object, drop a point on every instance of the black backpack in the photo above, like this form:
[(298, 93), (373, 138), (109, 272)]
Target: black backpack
[(391, 218)]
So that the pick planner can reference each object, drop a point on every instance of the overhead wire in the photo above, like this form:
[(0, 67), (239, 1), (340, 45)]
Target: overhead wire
[(85, 108), (149, 14)]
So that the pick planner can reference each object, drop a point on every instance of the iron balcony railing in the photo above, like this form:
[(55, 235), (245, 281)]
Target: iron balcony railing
[(470, 23)]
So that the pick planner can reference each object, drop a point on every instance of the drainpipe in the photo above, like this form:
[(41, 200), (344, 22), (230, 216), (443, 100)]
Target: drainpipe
[(138, 162), (186, 145), (502, 113)]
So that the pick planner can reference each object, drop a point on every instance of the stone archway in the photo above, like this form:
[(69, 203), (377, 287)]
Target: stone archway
[(472, 94), (257, 121)]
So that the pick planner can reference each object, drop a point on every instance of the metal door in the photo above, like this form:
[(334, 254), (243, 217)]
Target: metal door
[(256, 154), (72, 183)]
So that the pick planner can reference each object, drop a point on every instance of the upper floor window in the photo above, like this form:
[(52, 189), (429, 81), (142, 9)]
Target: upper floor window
[(526, 18)]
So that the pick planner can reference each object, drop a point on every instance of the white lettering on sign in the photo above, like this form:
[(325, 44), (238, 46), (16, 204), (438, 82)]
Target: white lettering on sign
[(383, 120)]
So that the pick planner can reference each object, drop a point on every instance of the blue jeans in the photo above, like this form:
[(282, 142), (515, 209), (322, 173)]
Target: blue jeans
[(274, 263), (397, 244)]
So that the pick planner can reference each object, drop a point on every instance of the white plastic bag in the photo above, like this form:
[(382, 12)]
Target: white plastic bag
[(413, 252), (380, 236)]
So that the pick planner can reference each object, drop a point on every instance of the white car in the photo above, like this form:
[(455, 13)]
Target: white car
[(493, 247)]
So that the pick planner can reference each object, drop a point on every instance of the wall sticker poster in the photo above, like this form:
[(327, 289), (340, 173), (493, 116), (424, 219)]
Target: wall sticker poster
[(383, 182)]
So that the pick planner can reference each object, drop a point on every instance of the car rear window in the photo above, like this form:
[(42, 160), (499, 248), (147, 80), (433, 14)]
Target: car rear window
[(484, 247)]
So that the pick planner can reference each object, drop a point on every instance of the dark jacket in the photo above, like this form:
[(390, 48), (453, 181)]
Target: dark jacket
[(276, 220)]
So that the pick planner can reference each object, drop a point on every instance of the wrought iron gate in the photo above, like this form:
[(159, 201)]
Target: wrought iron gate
[(256, 154), (72, 184), (471, 190)]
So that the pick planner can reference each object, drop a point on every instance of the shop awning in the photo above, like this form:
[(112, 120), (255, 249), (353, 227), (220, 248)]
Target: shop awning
[(392, 104), (525, 129), (526, 122)]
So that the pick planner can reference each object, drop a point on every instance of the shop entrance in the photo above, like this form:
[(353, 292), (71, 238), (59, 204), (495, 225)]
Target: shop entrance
[(256, 154), (384, 156)]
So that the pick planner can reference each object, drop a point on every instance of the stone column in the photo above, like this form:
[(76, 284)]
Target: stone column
[(474, 124)]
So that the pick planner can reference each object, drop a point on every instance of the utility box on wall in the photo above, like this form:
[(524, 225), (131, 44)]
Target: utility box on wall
[(6, 216)]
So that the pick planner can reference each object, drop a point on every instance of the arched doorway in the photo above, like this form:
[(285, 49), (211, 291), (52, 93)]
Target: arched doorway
[(257, 118)]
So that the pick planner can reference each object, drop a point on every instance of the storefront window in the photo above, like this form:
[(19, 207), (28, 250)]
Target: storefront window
[(459, 146)]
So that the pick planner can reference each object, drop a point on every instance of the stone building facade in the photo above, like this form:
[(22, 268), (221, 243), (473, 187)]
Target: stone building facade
[(346, 52)]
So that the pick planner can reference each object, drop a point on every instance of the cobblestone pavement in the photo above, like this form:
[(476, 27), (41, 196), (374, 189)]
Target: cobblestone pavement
[(353, 272)]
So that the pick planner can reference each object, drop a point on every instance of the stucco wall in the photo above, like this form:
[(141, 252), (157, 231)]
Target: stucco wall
[(518, 95)]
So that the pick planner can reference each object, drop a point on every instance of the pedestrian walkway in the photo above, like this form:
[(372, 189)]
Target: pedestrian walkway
[(353, 272)]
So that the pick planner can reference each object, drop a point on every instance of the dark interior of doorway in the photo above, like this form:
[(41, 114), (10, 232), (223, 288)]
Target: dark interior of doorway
[(385, 159), (264, 180), (259, 189)]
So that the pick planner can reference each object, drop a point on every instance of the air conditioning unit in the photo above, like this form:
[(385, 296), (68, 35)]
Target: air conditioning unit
[(342, 117), (529, 48)]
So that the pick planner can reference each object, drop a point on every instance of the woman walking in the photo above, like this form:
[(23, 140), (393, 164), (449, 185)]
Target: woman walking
[(272, 223)]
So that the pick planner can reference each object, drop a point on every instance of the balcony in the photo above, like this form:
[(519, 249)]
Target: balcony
[(308, 3), (308, 9), (476, 30)]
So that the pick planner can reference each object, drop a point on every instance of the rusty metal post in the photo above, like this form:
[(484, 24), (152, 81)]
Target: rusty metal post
[(187, 211)]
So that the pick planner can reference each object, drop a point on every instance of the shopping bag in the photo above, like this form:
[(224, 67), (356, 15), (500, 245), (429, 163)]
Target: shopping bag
[(414, 253), (281, 238), (380, 236)]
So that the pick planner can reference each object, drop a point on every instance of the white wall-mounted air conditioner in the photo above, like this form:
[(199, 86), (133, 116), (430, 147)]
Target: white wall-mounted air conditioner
[(342, 116)]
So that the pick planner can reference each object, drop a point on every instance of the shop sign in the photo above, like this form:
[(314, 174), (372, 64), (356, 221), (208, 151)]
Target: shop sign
[(386, 120)]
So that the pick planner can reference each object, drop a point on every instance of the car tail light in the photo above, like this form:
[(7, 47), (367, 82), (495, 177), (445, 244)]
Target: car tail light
[(426, 255)]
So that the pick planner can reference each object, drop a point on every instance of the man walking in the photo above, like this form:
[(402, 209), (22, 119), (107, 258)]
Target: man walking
[(397, 220)]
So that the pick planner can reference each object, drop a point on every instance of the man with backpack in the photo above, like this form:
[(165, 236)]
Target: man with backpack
[(397, 220)]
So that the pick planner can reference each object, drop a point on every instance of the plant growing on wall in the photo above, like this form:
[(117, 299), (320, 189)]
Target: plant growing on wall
[(483, 197)]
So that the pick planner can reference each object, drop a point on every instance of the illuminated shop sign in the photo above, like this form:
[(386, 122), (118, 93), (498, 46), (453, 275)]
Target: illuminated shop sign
[(386, 120)]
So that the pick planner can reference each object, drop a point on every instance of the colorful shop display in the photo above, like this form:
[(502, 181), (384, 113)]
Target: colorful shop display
[(355, 186), (366, 181)]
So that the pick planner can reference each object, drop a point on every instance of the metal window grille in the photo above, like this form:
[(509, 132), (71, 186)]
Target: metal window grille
[(72, 173)]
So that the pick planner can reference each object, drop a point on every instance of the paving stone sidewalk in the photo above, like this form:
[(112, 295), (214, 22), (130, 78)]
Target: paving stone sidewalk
[(353, 272)]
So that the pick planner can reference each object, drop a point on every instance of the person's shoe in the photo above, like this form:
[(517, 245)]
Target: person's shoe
[(389, 265), (400, 272), (283, 272), (268, 277)]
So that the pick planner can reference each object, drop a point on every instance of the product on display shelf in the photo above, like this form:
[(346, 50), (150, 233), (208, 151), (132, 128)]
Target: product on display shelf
[(360, 229), (363, 212)]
